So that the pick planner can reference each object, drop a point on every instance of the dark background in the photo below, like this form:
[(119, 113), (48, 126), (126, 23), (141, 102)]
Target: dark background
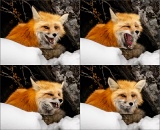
[(13, 77), (97, 11), (96, 77)]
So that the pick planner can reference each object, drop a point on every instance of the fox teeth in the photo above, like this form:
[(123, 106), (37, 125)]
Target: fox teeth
[(50, 40)]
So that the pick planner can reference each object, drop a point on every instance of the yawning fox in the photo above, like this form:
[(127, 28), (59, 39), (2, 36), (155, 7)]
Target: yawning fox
[(121, 31)]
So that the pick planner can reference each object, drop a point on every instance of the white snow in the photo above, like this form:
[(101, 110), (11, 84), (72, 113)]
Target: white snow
[(93, 53), (15, 118), (67, 58), (150, 123), (95, 118), (13, 53), (66, 123)]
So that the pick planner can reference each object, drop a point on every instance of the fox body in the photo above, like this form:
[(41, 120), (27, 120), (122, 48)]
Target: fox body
[(121, 31), (43, 31), (122, 96), (44, 97)]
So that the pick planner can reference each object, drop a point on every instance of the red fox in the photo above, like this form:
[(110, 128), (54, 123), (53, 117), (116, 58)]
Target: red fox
[(43, 31), (44, 97), (121, 31), (122, 96)]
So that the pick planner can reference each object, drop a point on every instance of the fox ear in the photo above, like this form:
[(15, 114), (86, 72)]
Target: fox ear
[(113, 15), (64, 18), (36, 15), (62, 84), (140, 85), (112, 84), (34, 85)]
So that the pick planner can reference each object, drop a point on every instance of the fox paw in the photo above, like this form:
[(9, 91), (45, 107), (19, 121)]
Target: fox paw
[(135, 52), (127, 54), (56, 117), (53, 53)]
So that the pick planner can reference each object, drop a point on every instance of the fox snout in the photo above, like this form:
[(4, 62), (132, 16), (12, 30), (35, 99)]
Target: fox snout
[(54, 34), (126, 107), (135, 32), (60, 100), (130, 103)]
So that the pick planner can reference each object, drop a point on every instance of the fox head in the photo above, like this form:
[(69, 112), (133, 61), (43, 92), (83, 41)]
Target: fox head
[(126, 95), (48, 27), (127, 28), (49, 96)]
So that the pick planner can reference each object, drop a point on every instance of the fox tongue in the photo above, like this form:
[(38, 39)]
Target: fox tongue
[(51, 40), (128, 39)]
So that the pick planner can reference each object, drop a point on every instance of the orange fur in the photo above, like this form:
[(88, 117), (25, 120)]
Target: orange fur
[(102, 99), (103, 34), (28, 99), (24, 99), (107, 99), (24, 34)]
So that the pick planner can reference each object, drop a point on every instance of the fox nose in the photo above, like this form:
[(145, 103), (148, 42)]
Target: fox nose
[(130, 103), (137, 32), (60, 100), (54, 34)]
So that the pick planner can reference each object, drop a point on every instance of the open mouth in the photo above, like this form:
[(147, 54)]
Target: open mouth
[(55, 105), (50, 40), (128, 40)]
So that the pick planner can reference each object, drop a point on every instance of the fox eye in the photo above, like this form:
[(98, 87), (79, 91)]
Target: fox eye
[(127, 26), (50, 94), (59, 94), (46, 27), (122, 95), (56, 27), (133, 95), (136, 26)]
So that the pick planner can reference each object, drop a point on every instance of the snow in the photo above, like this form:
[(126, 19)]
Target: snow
[(95, 118), (93, 53), (66, 123), (15, 118), (13, 53), (67, 58), (150, 123)]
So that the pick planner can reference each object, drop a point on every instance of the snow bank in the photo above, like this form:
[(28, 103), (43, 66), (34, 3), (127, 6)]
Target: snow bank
[(15, 118), (148, 58), (66, 58), (66, 123), (95, 118), (150, 123), (13, 53), (93, 53)]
